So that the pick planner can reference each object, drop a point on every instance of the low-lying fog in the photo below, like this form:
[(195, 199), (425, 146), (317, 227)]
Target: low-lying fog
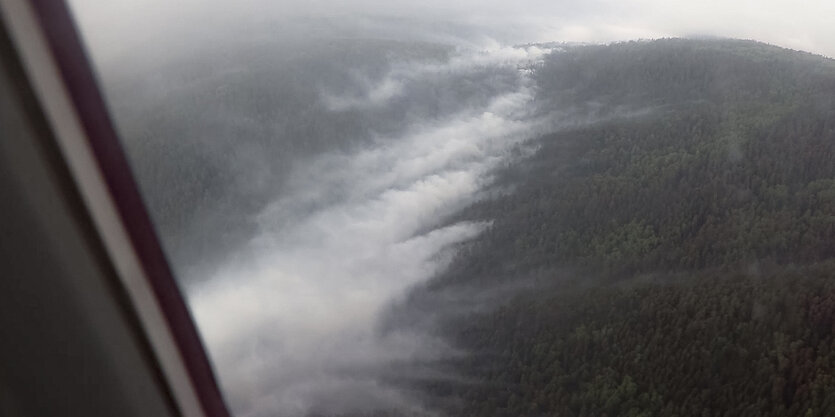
[(291, 318), (303, 179), (311, 226)]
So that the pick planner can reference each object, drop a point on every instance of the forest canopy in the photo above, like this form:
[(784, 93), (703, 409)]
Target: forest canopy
[(695, 211)]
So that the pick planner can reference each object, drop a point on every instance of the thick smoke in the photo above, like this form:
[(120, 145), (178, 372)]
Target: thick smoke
[(291, 320), (403, 74), (292, 317)]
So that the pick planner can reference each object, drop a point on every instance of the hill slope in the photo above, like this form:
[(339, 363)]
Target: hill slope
[(694, 205)]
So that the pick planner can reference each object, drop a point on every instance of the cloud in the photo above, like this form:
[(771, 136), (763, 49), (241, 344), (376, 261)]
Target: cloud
[(292, 319)]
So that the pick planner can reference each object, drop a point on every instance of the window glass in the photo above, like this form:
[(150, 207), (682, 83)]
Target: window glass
[(526, 208)]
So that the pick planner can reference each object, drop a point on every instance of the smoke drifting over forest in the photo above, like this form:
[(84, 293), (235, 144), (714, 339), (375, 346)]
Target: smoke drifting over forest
[(292, 318), (309, 166), (331, 226)]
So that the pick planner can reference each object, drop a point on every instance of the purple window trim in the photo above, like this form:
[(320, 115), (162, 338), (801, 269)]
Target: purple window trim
[(69, 54)]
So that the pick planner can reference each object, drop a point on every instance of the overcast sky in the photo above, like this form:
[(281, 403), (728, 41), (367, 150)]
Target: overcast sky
[(117, 25)]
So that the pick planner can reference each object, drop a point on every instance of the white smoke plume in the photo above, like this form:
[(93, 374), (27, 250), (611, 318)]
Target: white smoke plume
[(291, 319)]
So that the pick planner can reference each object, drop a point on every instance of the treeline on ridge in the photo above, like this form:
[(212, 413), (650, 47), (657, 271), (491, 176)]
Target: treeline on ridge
[(699, 198)]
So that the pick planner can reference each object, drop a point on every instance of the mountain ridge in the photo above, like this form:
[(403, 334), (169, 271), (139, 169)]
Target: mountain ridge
[(730, 189)]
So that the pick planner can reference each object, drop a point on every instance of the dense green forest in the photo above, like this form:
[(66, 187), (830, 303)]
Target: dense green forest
[(711, 345), (694, 207)]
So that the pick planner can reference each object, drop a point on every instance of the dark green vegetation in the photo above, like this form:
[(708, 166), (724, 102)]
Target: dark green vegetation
[(717, 345), (697, 207)]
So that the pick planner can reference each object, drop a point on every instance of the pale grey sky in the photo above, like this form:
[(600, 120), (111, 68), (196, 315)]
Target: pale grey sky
[(118, 25)]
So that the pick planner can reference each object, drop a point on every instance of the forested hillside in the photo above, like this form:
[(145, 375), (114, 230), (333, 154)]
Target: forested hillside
[(694, 207), (710, 345)]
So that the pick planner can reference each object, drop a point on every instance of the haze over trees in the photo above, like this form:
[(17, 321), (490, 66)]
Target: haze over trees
[(636, 229), (695, 215)]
